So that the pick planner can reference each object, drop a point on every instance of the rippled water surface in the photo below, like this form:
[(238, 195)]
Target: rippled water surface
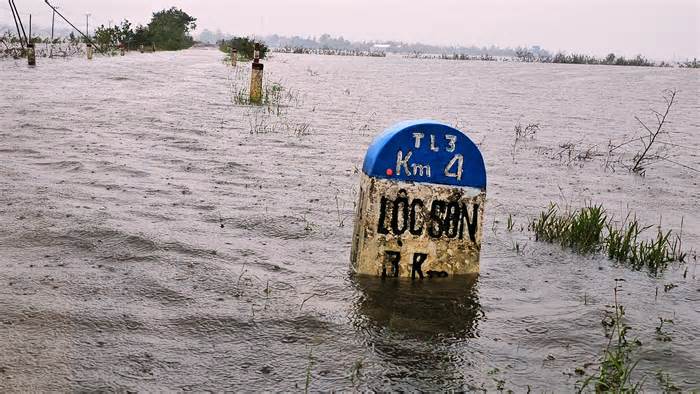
[(150, 241)]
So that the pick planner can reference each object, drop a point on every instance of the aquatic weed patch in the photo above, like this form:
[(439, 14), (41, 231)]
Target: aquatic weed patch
[(590, 229)]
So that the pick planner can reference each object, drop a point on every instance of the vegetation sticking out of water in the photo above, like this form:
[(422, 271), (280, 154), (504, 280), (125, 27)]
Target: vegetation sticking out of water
[(275, 96), (523, 55), (270, 114), (611, 60), (11, 46), (590, 230), (615, 370), (329, 45), (614, 373), (168, 30), (244, 45), (331, 52), (651, 145)]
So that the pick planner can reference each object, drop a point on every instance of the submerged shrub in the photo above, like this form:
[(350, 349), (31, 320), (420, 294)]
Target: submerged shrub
[(244, 45)]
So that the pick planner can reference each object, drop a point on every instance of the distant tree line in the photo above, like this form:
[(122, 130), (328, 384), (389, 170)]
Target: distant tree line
[(168, 30), (333, 52), (328, 44), (461, 56), (611, 59), (577, 58)]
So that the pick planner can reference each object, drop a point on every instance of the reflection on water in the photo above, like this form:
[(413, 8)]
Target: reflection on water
[(413, 325), (422, 309)]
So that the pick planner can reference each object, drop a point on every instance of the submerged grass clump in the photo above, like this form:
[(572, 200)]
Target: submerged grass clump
[(590, 230), (276, 98), (622, 245), (580, 230)]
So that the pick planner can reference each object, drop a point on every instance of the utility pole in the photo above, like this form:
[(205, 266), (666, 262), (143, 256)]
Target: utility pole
[(87, 39), (87, 24), (31, 52), (53, 22)]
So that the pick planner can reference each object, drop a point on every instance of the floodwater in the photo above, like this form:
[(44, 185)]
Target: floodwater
[(150, 241)]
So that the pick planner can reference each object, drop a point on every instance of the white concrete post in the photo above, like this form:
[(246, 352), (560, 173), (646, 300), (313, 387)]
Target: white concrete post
[(421, 203)]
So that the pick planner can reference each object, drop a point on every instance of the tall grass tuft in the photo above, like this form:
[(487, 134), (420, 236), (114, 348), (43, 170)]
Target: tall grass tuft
[(580, 230), (620, 242), (590, 230)]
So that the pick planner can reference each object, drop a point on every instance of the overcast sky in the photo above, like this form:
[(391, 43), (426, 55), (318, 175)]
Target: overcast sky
[(661, 29)]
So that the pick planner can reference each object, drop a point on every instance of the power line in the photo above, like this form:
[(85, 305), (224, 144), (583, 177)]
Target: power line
[(73, 26)]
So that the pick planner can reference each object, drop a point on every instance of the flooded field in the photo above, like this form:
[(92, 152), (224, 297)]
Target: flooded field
[(158, 236)]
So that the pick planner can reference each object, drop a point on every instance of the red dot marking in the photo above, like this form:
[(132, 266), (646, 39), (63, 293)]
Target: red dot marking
[(389, 171)]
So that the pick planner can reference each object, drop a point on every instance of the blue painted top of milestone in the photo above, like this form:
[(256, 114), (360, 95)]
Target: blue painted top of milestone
[(426, 151)]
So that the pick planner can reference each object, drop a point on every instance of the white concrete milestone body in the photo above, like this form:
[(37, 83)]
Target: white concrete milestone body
[(421, 203)]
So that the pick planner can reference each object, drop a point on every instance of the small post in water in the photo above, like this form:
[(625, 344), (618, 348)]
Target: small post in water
[(141, 48), (31, 54), (234, 56), (256, 53), (121, 48), (89, 51), (256, 79)]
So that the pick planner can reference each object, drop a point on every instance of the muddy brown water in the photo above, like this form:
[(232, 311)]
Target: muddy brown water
[(150, 241)]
